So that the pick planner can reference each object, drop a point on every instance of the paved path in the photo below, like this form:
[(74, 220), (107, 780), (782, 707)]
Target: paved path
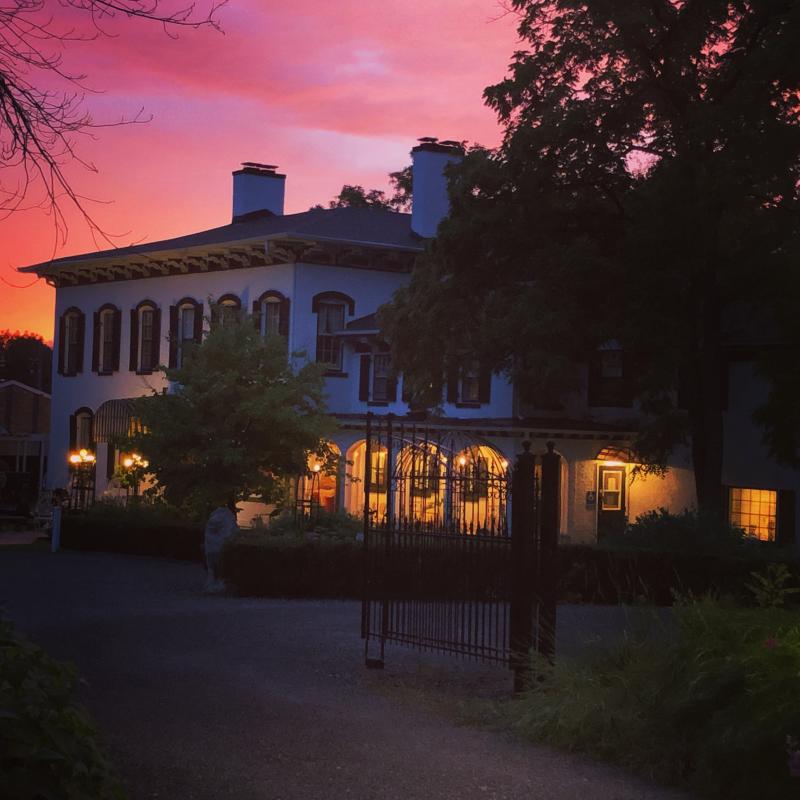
[(204, 698)]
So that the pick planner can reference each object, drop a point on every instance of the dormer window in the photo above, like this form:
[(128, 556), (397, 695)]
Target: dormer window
[(145, 352), (185, 330), (71, 334), (271, 314), (330, 309), (106, 342)]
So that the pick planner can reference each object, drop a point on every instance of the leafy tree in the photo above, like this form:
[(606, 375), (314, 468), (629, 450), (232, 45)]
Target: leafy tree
[(24, 357), (42, 111), (646, 191), (240, 421), (358, 197)]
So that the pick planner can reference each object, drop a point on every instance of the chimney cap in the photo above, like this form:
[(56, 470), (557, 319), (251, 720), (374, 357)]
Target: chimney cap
[(432, 144)]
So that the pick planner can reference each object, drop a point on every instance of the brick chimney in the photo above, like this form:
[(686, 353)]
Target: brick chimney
[(429, 201), (257, 188)]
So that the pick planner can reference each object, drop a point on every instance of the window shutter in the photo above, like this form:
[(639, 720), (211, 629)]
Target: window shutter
[(81, 342), (156, 337), (391, 387), (785, 535), (452, 385), (363, 378), (174, 333), (111, 454), (406, 395), (116, 339), (215, 312), (257, 315), (62, 333), (198, 323), (134, 354), (283, 322), (96, 342), (485, 385), (73, 432)]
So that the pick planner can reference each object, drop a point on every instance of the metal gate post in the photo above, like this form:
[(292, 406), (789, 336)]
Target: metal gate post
[(523, 552), (547, 573)]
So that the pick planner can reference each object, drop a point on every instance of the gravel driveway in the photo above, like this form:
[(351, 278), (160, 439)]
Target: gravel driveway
[(204, 698)]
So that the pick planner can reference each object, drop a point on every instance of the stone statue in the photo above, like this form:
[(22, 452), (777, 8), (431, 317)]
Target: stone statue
[(220, 527)]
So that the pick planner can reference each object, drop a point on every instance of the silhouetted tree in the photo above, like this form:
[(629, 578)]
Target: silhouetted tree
[(24, 357), (358, 197), (646, 191)]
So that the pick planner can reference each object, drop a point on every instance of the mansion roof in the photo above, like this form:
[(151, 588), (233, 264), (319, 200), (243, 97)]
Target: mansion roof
[(361, 237)]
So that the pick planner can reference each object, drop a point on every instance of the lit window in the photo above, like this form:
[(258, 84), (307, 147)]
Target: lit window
[(754, 511), (378, 476), (330, 321)]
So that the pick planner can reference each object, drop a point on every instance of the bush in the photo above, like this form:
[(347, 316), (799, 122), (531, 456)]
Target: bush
[(48, 747), (323, 523), (710, 708), (689, 532), (148, 529), (266, 563)]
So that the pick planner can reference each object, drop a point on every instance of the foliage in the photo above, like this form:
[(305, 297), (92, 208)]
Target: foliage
[(771, 587), (709, 706), (646, 192), (354, 196), (701, 533), (144, 512), (138, 530), (41, 100), (324, 523), (240, 421), (280, 562), (48, 746), (24, 357)]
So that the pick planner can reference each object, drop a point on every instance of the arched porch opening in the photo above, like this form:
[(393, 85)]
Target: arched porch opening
[(355, 483), (317, 488), (479, 492)]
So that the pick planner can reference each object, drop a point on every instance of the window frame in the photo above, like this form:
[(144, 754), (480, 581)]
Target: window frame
[(72, 325), (137, 363), (331, 340), (773, 511)]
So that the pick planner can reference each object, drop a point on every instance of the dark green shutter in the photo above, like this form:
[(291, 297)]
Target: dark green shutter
[(257, 315), (198, 323), (156, 337), (786, 535), (363, 378), (484, 385), (81, 342), (96, 342), (174, 333), (62, 356), (73, 432), (283, 322), (117, 336), (133, 363)]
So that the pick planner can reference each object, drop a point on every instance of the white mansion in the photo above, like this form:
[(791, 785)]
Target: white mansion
[(318, 278)]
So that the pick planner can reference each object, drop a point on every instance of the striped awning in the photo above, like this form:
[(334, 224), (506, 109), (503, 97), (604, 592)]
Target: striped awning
[(114, 418)]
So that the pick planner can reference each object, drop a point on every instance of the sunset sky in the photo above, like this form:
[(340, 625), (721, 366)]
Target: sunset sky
[(333, 93)]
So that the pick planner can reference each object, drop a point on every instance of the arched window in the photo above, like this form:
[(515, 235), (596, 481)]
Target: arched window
[(71, 335), (81, 430), (226, 311), (479, 493), (271, 314), (145, 352), (106, 339), (330, 308), (318, 488), (185, 329)]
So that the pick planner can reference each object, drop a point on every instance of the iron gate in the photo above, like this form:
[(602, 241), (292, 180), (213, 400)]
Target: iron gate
[(451, 564)]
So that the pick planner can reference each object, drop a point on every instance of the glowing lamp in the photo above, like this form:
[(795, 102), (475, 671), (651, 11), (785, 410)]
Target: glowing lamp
[(462, 461), (504, 464), (127, 463), (74, 458), (316, 468)]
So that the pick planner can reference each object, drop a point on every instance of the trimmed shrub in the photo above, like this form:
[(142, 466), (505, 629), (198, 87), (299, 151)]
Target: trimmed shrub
[(48, 746), (714, 707), (264, 564), (146, 529)]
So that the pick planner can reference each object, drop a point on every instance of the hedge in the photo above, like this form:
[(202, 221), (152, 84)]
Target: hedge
[(183, 542)]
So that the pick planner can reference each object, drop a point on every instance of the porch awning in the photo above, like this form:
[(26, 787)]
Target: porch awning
[(114, 418)]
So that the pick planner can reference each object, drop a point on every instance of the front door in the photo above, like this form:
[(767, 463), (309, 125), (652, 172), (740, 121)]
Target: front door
[(611, 501)]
